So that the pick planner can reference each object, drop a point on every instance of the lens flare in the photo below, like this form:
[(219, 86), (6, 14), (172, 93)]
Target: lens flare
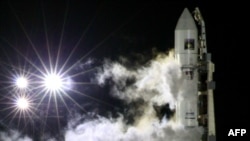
[(44, 76)]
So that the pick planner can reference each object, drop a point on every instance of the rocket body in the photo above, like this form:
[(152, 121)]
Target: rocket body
[(195, 104), (186, 54)]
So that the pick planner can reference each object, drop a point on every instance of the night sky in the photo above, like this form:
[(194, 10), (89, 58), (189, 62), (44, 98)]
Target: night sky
[(99, 30)]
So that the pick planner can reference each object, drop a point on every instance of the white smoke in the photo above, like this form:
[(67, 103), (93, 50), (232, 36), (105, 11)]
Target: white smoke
[(13, 135), (104, 129), (158, 83)]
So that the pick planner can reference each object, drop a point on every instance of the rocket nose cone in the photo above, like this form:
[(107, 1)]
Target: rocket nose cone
[(186, 21)]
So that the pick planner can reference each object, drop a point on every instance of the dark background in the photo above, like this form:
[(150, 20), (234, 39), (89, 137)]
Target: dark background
[(115, 28)]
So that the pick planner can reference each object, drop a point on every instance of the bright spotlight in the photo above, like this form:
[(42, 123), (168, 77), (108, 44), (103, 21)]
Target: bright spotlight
[(22, 103), (56, 83), (21, 82), (53, 82)]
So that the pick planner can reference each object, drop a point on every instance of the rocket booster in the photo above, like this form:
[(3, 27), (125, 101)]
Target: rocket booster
[(186, 54)]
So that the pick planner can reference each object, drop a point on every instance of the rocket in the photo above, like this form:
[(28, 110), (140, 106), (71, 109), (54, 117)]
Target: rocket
[(195, 106), (186, 54)]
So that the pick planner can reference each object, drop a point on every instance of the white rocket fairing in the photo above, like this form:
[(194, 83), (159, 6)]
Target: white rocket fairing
[(186, 53), (195, 106)]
